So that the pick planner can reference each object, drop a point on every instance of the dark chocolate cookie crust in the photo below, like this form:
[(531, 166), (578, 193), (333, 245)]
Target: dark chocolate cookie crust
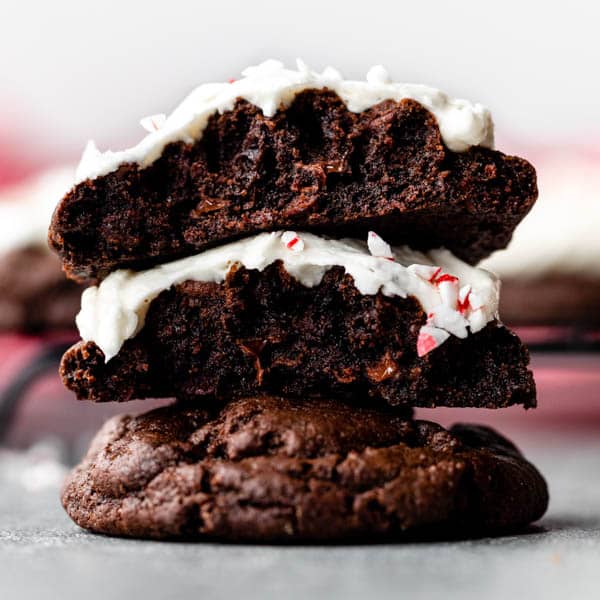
[(265, 332), (269, 469), (314, 166), (35, 296)]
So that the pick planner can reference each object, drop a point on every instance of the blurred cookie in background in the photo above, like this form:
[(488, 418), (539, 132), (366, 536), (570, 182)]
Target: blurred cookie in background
[(551, 270), (35, 296), (37, 314)]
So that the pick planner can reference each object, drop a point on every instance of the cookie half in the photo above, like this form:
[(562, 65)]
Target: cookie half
[(326, 156), (269, 469), (266, 332)]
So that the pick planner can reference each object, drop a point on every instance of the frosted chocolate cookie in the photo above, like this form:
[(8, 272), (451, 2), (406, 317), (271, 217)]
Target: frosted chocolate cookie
[(295, 149), (301, 315)]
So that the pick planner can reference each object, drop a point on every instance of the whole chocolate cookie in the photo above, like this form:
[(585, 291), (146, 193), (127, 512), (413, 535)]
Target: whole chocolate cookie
[(268, 469)]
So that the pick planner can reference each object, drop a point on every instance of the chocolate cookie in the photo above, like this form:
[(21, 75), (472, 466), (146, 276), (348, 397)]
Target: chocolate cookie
[(34, 293), (551, 300), (269, 469), (313, 166), (263, 331)]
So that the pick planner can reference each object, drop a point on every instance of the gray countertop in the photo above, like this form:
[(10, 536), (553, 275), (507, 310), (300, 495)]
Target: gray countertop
[(43, 555)]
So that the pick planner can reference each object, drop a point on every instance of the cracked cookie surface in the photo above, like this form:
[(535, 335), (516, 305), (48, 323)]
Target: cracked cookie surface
[(270, 469)]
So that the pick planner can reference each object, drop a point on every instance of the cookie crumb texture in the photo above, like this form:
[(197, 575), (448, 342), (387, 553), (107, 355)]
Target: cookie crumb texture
[(269, 469), (313, 166), (263, 331)]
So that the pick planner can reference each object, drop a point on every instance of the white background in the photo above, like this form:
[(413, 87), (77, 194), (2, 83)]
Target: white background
[(72, 70)]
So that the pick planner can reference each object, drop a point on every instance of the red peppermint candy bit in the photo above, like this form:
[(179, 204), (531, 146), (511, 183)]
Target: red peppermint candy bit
[(430, 338), (292, 241), (443, 277), (424, 271), (435, 274), (464, 299), (231, 80), (425, 344)]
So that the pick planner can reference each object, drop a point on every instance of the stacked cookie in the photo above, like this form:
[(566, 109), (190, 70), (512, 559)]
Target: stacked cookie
[(290, 255)]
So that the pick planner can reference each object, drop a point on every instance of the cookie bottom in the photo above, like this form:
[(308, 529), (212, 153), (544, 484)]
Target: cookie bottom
[(270, 469)]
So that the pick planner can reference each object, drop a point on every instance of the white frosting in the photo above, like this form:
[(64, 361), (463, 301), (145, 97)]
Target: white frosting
[(115, 311), (271, 86), (26, 208), (561, 235)]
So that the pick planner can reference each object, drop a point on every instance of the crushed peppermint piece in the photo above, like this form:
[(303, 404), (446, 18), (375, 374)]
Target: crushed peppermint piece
[(443, 277), (425, 343), (231, 80), (292, 241), (378, 247), (464, 299), (476, 301), (425, 271), (430, 338), (449, 319), (435, 274), (448, 285), (477, 320), (153, 122), (449, 292)]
